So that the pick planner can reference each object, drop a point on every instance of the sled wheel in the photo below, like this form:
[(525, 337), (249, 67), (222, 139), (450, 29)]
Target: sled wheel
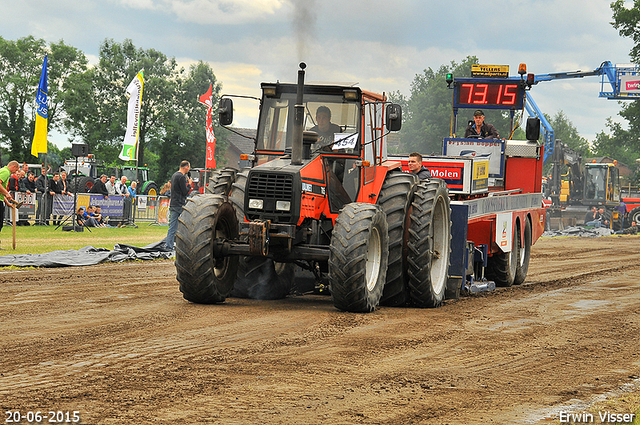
[(502, 267), (525, 254)]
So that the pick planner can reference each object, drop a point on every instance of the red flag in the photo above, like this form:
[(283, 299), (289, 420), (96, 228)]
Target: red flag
[(207, 99)]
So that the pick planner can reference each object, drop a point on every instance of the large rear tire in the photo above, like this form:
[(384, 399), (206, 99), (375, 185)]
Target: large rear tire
[(502, 267), (258, 277), (429, 244), (221, 180), (359, 254), (525, 254), (203, 278), (394, 200)]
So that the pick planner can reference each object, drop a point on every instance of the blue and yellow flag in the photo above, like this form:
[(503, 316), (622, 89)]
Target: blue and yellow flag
[(39, 144)]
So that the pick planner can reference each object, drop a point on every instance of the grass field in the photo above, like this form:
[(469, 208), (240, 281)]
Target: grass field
[(41, 239)]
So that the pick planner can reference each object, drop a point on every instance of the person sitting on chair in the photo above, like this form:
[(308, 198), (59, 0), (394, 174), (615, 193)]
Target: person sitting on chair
[(480, 129)]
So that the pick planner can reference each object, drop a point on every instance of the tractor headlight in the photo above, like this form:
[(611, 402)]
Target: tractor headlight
[(283, 206), (256, 204)]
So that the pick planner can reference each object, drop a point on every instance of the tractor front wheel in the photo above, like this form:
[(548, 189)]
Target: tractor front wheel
[(203, 278)]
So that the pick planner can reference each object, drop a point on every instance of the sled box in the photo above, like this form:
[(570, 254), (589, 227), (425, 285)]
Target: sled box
[(467, 175)]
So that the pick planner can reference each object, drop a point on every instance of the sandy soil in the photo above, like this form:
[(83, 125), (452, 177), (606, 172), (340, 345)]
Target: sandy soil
[(119, 344)]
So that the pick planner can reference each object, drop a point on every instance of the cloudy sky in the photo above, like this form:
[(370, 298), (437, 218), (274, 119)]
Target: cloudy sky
[(380, 44)]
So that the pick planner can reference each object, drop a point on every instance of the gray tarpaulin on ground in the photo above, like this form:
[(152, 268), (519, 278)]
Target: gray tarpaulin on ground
[(88, 256), (583, 232)]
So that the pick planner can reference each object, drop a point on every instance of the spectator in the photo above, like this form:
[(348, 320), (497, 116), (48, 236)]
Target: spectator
[(600, 219), (13, 182), (99, 186), (622, 211), (30, 183), (89, 219), (80, 217), (180, 188), (132, 196), (631, 230), (102, 221), (111, 185), (63, 183), (166, 189), (591, 215), (122, 189), (54, 188), (5, 196), (25, 168), (41, 196)]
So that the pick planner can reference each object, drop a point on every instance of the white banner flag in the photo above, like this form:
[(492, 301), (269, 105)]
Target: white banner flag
[(130, 145)]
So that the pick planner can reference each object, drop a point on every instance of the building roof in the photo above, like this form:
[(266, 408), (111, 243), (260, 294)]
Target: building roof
[(242, 144)]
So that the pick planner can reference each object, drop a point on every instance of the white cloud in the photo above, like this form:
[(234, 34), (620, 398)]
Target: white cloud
[(212, 12)]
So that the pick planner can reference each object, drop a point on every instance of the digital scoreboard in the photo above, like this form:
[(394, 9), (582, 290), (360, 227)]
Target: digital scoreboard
[(488, 93)]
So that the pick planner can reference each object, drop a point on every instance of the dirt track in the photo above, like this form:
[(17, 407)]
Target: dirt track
[(119, 344)]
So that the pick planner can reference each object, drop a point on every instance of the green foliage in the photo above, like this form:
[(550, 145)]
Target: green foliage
[(20, 69), (626, 21)]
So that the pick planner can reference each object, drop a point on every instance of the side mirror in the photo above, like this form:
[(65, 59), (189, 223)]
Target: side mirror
[(533, 129), (394, 117), (225, 111)]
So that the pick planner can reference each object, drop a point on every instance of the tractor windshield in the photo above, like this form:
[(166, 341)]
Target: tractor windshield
[(328, 115)]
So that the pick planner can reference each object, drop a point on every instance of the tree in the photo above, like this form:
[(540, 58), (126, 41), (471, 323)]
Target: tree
[(624, 144), (20, 68), (427, 115), (96, 102)]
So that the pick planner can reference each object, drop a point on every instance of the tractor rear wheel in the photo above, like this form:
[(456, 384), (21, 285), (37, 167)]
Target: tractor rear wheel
[(151, 189), (203, 278), (81, 184), (502, 267), (258, 277), (525, 254), (359, 254), (221, 180), (429, 246), (394, 200)]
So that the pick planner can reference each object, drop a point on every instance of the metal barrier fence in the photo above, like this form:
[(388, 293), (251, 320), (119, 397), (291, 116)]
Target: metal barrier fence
[(39, 209)]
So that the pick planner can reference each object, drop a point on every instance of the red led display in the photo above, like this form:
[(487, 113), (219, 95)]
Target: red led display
[(502, 93)]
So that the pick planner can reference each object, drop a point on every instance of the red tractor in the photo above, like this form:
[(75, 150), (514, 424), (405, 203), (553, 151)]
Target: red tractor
[(332, 205)]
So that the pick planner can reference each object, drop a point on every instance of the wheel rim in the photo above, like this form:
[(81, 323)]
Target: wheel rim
[(222, 230), (439, 263), (522, 252), (374, 259), (152, 192)]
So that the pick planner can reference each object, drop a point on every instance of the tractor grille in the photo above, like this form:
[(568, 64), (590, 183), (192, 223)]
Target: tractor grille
[(270, 187)]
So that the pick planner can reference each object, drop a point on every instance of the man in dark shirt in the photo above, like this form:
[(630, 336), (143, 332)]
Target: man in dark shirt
[(416, 167), (180, 188), (99, 186), (479, 128), (54, 188), (41, 196)]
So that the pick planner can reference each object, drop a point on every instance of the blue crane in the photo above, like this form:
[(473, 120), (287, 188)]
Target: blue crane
[(617, 82)]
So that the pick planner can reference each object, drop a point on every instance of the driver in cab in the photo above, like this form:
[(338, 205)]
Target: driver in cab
[(480, 129), (325, 128)]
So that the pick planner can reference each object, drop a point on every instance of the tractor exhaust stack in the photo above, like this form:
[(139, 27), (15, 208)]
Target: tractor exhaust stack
[(296, 149)]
